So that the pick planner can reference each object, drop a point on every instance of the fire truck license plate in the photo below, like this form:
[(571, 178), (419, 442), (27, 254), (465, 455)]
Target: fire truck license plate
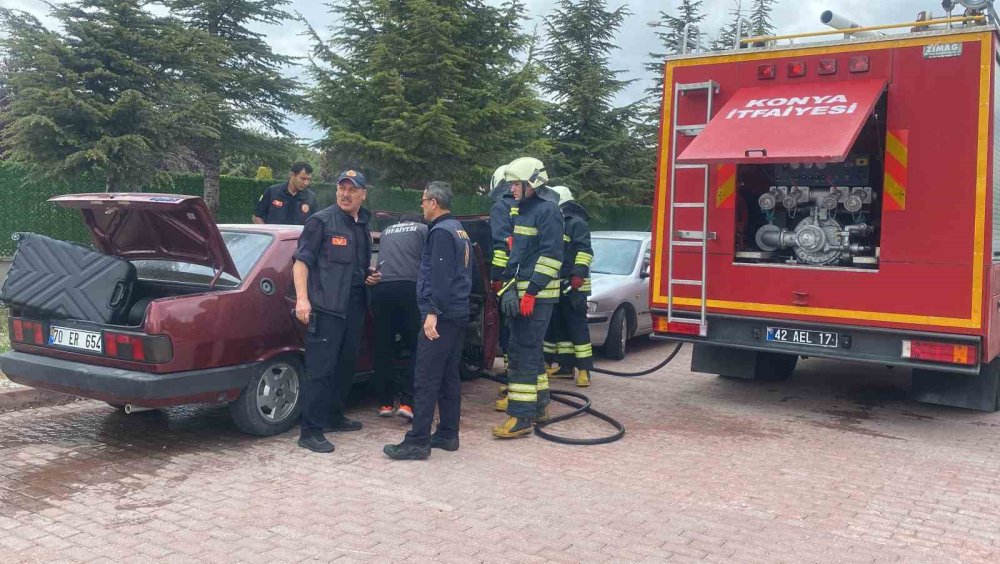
[(802, 337)]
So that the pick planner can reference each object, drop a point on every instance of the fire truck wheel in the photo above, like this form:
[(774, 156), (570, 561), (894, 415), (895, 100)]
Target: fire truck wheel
[(774, 367), (614, 344)]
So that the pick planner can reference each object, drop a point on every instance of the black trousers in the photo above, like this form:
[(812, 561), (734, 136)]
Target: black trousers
[(436, 382), (395, 311), (331, 356)]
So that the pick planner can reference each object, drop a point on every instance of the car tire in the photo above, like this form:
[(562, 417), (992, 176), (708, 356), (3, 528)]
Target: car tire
[(614, 344), (271, 402)]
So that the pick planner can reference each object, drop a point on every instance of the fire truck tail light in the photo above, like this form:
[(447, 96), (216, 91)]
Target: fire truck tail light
[(661, 325), (940, 352), (766, 72), (859, 63), (796, 69), (826, 66)]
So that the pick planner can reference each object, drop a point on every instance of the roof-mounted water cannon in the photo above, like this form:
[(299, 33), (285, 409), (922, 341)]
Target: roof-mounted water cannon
[(972, 8), (837, 21)]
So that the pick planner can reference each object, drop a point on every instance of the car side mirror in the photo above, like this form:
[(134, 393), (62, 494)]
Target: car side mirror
[(644, 273)]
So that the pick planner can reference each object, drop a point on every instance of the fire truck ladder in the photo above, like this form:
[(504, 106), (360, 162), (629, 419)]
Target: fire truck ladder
[(680, 238)]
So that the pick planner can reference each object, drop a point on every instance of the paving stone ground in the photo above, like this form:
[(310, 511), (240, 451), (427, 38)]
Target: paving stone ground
[(835, 465)]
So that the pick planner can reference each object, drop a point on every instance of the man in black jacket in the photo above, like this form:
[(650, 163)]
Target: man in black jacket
[(443, 297), (289, 203), (332, 275)]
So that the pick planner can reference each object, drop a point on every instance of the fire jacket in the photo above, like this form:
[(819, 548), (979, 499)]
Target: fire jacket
[(577, 252), (501, 226), (536, 255)]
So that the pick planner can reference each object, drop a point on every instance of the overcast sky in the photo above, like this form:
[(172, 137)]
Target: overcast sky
[(636, 39)]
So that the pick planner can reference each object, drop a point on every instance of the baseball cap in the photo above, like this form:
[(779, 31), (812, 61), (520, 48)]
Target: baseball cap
[(354, 176)]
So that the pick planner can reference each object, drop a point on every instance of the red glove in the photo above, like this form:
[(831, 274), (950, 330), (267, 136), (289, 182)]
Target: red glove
[(576, 282), (496, 286), (527, 305), (510, 243)]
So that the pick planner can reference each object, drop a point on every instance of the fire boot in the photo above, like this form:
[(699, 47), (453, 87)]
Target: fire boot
[(512, 428), (501, 404), (582, 378), (502, 392)]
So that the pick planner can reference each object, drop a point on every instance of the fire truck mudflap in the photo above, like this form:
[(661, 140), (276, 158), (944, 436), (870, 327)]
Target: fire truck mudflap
[(835, 200)]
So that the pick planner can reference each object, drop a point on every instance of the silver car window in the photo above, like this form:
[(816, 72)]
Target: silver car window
[(614, 256)]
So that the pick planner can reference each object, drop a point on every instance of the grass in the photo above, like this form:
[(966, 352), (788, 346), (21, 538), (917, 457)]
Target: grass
[(4, 337)]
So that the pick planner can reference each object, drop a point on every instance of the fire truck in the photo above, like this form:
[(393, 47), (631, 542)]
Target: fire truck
[(836, 199)]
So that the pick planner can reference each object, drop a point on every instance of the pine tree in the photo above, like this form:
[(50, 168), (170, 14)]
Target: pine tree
[(114, 93), (760, 17), (418, 90), (250, 92), (595, 148), (726, 38)]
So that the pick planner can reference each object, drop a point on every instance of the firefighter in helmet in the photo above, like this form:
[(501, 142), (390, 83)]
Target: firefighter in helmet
[(529, 293), (567, 343), (501, 227)]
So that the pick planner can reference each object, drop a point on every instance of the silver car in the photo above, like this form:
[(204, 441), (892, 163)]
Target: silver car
[(618, 306)]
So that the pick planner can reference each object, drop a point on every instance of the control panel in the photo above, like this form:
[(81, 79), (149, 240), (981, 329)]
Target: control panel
[(854, 171)]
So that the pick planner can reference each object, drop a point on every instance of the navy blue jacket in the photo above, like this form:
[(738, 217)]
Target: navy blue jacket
[(501, 226), (445, 270), (337, 251), (278, 205)]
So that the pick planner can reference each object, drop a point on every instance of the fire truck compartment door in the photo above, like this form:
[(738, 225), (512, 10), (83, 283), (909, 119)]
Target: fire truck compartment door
[(786, 123)]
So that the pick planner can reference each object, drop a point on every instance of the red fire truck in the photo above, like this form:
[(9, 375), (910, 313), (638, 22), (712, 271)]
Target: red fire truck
[(836, 199)]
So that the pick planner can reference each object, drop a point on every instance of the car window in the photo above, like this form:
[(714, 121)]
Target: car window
[(245, 248), (614, 256)]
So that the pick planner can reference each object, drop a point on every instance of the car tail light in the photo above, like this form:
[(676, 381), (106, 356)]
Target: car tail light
[(28, 332), (141, 348), (940, 352), (859, 63), (766, 72), (661, 325), (796, 69), (826, 66)]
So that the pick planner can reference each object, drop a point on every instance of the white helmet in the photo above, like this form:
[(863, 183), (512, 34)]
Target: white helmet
[(526, 169), (498, 186), (565, 195)]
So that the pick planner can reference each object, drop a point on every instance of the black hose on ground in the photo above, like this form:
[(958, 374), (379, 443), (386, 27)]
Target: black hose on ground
[(581, 408)]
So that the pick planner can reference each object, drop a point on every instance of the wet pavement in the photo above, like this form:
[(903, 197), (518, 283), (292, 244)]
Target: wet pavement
[(833, 465)]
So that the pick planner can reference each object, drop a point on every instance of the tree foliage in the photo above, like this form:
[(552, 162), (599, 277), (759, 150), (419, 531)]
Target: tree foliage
[(726, 37), (760, 17), (417, 90), (596, 149), (114, 93)]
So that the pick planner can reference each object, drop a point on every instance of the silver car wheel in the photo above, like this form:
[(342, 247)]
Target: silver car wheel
[(277, 392)]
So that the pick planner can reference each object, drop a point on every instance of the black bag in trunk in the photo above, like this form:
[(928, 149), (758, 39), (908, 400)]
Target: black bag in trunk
[(65, 280)]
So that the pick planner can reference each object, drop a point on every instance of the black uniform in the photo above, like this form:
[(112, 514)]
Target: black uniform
[(394, 308), (337, 250), (535, 260), (278, 205), (443, 289), (568, 338)]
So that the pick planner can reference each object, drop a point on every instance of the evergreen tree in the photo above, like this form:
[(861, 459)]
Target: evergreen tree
[(596, 150), (760, 17), (727, 34), (249, 89), (114, 93), (417, 90)]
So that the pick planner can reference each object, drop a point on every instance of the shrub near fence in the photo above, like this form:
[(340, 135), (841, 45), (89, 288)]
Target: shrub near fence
[(25, 207)]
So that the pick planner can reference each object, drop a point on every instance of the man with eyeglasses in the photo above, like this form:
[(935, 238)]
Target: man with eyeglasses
[(332, 278)]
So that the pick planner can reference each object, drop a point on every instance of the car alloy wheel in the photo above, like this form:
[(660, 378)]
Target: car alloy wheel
[(277, 392)]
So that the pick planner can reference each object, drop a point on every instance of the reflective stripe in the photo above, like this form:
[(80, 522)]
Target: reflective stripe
[(551, 262), (564, 347), (521, 387), (584, 259), (548, 347), (546, 270), (543, 382), (583, 351), (522, 396), (514, 211), (566, 238), (500, 261), (523, 230), (551, 290)]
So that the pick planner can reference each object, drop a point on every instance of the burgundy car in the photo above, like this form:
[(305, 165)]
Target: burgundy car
[(209, 318)]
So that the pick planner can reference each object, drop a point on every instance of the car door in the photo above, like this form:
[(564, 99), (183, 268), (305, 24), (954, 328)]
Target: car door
[(644, 322)]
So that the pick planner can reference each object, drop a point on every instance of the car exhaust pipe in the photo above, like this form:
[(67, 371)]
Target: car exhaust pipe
[(129, 408), (837, 21)]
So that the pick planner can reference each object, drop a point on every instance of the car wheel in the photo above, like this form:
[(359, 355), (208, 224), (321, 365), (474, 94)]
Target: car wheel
[(614, 345), (271, 402), (470, 367)]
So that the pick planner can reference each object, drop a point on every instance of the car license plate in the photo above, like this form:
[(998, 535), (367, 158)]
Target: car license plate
[(76, 339), (802, 337)]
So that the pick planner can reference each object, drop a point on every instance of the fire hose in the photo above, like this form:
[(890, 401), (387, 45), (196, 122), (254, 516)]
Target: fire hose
[(563, 397)]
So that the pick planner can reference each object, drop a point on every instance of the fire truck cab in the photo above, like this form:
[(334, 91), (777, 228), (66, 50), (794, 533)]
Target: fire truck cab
[(836, 199)]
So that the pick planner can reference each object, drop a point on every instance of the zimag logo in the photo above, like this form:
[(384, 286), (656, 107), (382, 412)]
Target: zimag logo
[(942, 50)]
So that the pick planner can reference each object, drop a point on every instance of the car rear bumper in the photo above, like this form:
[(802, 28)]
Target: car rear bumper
[(119, 386)]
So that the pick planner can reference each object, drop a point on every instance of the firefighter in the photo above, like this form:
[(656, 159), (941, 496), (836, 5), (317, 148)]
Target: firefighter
[(530, 291), (567, 343), (501, 227)]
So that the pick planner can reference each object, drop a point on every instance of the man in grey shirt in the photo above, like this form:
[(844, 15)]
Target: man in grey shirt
[(394, 309)]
